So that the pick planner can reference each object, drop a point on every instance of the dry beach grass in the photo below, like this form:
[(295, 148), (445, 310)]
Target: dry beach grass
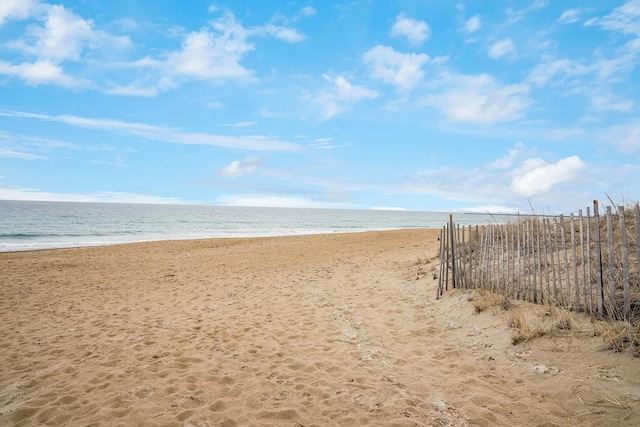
[(317, 330)]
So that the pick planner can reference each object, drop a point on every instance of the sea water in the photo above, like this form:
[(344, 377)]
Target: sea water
[(29, 225)]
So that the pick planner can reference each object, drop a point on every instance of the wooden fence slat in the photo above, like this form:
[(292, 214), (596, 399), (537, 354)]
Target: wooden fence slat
[(545, 244), (611, 295), (534, 277), (584, 264), (557, 275), (589, 280), (470, 259), (598, 261), (636, 216), (527, 271), (446, 249), (625, 265), (519, 294), (566, 259), (576, 283), (453, 252), (442, 269)]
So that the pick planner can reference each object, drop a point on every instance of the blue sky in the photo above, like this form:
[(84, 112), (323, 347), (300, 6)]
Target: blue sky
[(421, 105)]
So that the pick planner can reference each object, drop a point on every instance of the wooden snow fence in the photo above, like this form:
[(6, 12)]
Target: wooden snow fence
[(585, 262)]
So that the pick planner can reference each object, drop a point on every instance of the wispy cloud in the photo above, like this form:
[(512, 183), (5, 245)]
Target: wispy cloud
[(473, 24), (516, 15), (238, 168), (340, 95), (501, 48), (416, 32), (158, 133), (14, 154), (569, 16), (478, 99), (623, 19), (241, 124), (35, 194), (402, 70), (260, 200), (624, 138)]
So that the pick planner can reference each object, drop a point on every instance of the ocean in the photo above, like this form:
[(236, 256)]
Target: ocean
[(29, 225)]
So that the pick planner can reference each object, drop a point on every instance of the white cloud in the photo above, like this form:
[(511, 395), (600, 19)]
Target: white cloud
[(536, 176), (404, 71), (164, 134), (213, 56), (59, 36), (544, 72), (42, 72), (561, 134), (479, 100), (287, 34), (508, 160), (625, 138), (509, 183), (605, 101), (132, 90), (305, 12), (63, 36), (240, 124), (259, 200), (569, 16), (415, 31), (13, 154), (387, 208), (16, 9), (501, 48), (213, 53), (239, 168), (341, 95), (97, 197), (28, 147), (624, 19), (491, 209), (473, 24), (516, 15)]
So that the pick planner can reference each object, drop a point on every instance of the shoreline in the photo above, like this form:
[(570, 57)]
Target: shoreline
[(314, 330), (248, 236)]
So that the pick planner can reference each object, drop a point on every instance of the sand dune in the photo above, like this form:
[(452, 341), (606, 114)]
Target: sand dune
[(288, 331)]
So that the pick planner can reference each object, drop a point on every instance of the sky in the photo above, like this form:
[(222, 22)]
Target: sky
[(430, 105)]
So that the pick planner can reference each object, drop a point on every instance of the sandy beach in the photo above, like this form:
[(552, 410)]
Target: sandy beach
[(321, 330)]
